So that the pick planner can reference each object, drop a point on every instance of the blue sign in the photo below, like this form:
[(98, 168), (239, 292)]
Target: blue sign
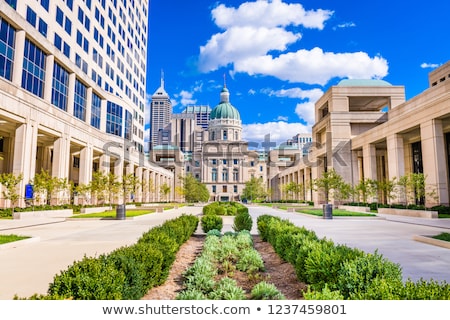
[(29, 191)]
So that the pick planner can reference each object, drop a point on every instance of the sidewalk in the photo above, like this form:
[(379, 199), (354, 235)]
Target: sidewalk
[(29, 268)]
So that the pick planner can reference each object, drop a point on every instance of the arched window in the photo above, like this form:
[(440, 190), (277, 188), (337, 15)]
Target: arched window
[(214, 174), (213, 135), (225, 135), (225, 175), (236, 136), (235, 175)]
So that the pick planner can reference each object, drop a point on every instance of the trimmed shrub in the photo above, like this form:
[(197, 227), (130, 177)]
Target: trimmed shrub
[(89, 279), (211, 222), (357, 276), (325, 294), (242, 221)]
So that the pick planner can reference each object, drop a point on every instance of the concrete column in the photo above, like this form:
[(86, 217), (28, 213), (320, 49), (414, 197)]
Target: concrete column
[(152, 186), (118, 173), (396, 156), (89, 105), (370, 161), (61, 157), (71, 93), (48, 83), (146, 186), (370, 165), (139, 173), (86, 159), (105, 163), (19, 50), (434, 162), (103, 109), (396, 160), (24, 159)]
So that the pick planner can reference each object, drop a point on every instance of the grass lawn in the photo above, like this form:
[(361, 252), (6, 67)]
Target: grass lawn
[(112, 213), (443, 236), (336, 212), (10, 238), (444, 215)]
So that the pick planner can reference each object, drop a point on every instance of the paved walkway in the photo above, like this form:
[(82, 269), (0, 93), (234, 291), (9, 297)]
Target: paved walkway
[(29, 268)]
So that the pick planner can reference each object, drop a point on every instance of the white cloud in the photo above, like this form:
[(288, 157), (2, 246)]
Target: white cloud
[(185, 98), (256, 46), (345, 25), (315, 66), (279, 132), (282, 118), (242, 43), (429, 65), (313, 94), (275, 12), (305, 111)]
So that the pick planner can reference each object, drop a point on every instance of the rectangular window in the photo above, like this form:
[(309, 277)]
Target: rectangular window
[(114, 119), (80, 100), (33, 73), (31, 16), (68, 26), (60, 16), (7, 35), (60, 87), (45, 4), (214, 189), (128, 125), (42, 27), (96, 111), (58, 42), (235, 189), (66, 50)]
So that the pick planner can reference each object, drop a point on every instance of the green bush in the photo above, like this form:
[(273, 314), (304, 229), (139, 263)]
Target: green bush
[(324, 263), (242, 221), (211, 222), (324, 294), (89, 279), (426, 290), (357, 276), (266, 291)]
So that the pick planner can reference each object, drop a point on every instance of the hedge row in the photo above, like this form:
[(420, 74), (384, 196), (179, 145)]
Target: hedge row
[(128, 272), (340, 272), (224, 208)]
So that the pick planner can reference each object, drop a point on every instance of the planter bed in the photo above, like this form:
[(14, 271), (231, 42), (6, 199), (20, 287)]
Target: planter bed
[(95, 209), (355, 208), (63, 213), (409, 213)]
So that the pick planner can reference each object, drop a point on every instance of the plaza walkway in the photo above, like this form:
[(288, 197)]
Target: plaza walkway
[(28, 268)]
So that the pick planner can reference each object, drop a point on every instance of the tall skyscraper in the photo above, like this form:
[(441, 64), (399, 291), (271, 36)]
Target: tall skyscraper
[(160, 113), (72, 82)]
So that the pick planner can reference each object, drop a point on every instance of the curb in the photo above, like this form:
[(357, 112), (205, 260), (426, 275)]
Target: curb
[(19, 243), (434, 242)]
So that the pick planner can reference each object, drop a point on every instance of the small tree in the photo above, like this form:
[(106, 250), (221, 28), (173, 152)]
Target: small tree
[(254, 190), (99, 186), (46, 185), (164, 190), (329, 181), (10, 182), (129, 184), (193, 190)]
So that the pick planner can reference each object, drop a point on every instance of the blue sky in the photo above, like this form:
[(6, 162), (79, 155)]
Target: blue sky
[(280, 56)]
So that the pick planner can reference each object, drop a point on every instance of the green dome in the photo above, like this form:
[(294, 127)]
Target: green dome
[(225, 110)]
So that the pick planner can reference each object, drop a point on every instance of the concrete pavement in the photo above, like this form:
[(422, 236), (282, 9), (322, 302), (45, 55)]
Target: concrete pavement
[(29, 267)]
